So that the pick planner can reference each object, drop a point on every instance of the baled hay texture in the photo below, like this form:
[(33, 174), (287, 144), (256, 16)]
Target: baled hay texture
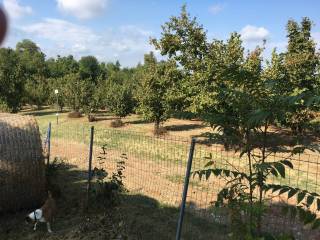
[(22, 169)]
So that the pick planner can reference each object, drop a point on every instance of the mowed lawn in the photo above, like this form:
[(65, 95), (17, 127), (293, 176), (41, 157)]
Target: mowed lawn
[(133, 137), (175, 127)]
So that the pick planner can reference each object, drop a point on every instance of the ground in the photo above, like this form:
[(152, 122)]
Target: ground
[(158, 165), (175, 127), (135, 217)]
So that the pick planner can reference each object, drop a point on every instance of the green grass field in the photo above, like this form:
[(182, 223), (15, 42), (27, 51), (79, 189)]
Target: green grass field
[(136, 139)]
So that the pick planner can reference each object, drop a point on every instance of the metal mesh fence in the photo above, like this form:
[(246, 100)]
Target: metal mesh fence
[(156, 167)]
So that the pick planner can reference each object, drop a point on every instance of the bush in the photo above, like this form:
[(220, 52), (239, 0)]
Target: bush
[(116, 123), (74, 115), (106, 189), (52, 175), (4, 107)]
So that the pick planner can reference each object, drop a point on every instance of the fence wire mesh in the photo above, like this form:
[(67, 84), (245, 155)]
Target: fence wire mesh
[(156, 167)]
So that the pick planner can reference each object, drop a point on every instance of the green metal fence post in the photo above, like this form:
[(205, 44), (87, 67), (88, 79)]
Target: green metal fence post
[(90, 163), (185, 189), (49, 143)]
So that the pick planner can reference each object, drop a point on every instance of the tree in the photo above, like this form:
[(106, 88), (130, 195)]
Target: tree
[(247, 102), (120, 100), (157, 78), (58, 69), (301, 62), (75, 91), (12, 81), (58, 83), (92, 99), (62, 66), (241, 101), (184, 41), (89, 68), (33, 61)]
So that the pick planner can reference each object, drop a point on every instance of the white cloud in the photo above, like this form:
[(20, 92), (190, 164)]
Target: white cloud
[(316, 38), (254, 34), (216, 8), (59, 31), (83, 9), (59, 37), (15, 10)]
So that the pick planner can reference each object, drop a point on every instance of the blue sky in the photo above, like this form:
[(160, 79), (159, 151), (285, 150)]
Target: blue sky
[(120, 29)]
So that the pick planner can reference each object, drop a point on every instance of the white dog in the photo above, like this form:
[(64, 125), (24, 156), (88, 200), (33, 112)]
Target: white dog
[(45, 214)]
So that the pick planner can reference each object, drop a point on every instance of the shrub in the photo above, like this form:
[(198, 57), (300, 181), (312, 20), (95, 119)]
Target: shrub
[(4, 107), (116, 123), (106, 188), (74, 115), (52, 173)]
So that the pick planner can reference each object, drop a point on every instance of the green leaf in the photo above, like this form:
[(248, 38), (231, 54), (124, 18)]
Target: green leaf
[(300, 196), (208, 173), (276, 188), (226, 172), (217, 172), (194, 174), (243, 152), (281, 169), (210, 163), (315, 194), (287, 163), (235, 174), (274, 172), (310, 200), (284, 190), (292, 192)]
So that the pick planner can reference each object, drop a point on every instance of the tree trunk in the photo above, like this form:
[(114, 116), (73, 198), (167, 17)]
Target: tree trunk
[(156, 127)]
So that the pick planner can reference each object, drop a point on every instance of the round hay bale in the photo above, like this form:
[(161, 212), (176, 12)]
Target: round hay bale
[(22, 168)]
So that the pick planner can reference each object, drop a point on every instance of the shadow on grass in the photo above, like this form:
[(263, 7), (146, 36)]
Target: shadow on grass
[(138, 121), (97, 118), (146, 218), (41, 113), (184, 127), (140, 216), (278, 141)]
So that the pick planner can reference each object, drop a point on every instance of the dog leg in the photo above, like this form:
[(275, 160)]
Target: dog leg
[(49, 227), (35, 226)]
